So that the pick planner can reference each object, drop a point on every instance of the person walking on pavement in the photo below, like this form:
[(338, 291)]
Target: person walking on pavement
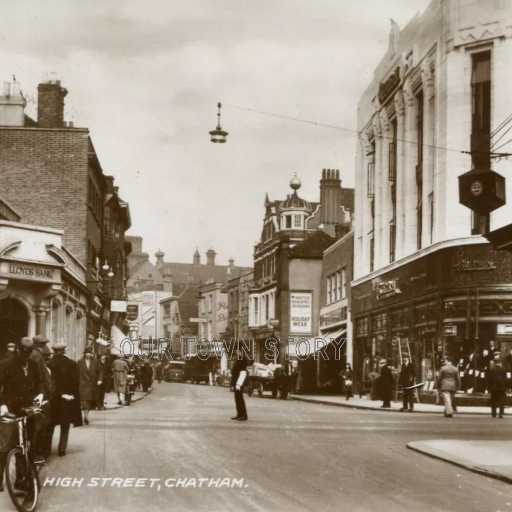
[(385, 384), (238, 381), (497, 386), (103, 388), (41, 441), (146, 373), (448, 383), (66, 403), (90, 378), (407, 375), (120, 370), (347, 375), (158, 371), (20, 387)]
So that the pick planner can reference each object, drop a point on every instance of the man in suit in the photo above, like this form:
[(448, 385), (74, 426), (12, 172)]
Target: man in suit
[(448, 382), (66, 404), (20, 387), (497, 386), (407, 375), (238, 381)]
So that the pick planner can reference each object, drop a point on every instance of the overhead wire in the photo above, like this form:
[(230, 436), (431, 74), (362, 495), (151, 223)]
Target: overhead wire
[(361, 132)]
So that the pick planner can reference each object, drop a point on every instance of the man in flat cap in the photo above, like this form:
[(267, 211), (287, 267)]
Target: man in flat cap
[(42, 440), (9, 354), (66, 403), (497, 386), (20, 386)]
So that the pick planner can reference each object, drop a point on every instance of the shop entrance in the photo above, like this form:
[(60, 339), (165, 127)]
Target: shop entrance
[(14, 320)]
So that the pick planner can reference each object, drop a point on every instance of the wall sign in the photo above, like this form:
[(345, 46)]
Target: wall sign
[(338, 315), (471, 265), (132, 312), (300, 312), (504, 329), (388, 86), (386, 289), (450, 330), (29, 272)]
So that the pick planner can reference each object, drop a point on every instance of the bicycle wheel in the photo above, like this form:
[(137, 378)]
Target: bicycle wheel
[(22, 481)]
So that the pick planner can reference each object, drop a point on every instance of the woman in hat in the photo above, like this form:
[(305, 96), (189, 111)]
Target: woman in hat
[(120, 370), (347, 375), (385, 384), (91, 377)]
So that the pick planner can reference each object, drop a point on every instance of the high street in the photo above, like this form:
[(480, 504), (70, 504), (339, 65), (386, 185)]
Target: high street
[(290, 455)]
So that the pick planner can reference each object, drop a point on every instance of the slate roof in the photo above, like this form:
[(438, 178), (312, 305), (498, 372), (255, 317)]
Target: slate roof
[(313, 246)]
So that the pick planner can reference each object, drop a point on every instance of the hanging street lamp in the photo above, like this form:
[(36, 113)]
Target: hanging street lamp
[(218, 135)]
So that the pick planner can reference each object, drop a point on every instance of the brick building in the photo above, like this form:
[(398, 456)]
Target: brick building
[(51, 173), (285, 297), (424, 275)]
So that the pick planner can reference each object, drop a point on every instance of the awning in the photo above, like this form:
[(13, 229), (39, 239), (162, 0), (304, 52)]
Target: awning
[(117, 337), (327, 337)]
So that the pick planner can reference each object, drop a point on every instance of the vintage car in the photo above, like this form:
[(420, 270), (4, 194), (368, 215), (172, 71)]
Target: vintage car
[(175, 372)]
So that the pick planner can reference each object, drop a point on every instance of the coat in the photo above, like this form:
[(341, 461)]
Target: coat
[(120, 370), (88, 379), (497, 380), (449, 378), (46, 380), (407, 374), (347, 375), (385, 384), (65, 375)]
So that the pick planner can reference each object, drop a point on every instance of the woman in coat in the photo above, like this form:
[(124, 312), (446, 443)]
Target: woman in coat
[(347, 376), (120, 370), (66, 402), (91, 377), (385, 384)]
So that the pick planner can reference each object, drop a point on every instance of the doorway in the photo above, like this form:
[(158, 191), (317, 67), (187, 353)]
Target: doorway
[(14, 319)]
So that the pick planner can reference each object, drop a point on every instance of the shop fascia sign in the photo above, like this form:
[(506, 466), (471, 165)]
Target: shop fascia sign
[(385, 289), (30, 272)]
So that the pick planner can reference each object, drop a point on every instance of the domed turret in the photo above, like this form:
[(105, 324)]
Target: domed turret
[(295, 210), (159, 257), (294, 202)]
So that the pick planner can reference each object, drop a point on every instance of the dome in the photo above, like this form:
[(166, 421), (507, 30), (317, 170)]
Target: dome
[(294, 202), (160, 254)]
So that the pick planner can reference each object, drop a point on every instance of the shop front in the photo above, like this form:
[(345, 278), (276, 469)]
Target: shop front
[(455, 301), (42, 288)]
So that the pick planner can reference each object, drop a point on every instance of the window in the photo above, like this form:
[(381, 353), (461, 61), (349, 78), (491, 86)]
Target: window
[(256, 312), (203, 305), (267, 307), (297, 221), (288, 222), (340, 279), (393, 151), (328, 289), (392, 171), (343, 282), (431, 207), (210, 302), (392, 241), (371, 173), (372, 254), (419, 170), (209, 330), (107, 222)]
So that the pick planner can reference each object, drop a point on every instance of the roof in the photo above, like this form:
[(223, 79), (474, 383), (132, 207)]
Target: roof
[(190, 273), (312, 247)]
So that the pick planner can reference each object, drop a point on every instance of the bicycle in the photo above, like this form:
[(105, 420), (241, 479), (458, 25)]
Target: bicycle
[(21, 474)]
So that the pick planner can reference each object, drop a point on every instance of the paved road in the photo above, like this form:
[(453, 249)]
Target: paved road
[(292, 456)]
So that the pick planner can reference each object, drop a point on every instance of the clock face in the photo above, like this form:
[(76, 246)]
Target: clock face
[(477, 188)]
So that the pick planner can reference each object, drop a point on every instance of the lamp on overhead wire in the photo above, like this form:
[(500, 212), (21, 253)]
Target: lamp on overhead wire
[(218, 135)]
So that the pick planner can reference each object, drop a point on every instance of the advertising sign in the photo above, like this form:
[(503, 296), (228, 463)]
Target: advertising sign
[(301, 305), (132, 312), (148, 315)]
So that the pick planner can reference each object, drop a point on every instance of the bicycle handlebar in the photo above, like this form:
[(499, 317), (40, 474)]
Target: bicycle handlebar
[(28, 412)]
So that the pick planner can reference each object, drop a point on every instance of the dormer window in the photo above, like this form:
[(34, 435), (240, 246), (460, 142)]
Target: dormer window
[(297, 221), (288, 222)]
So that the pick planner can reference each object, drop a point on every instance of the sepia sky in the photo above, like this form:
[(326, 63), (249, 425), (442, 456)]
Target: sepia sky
[(145, 77)]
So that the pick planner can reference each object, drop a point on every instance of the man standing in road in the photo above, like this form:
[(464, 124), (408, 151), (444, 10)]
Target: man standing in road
[(238, 381), (407, 375), (448, 382), (20, 386), (497, 386)]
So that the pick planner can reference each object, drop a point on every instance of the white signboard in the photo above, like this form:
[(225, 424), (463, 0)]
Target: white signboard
[(301, 305), (118, 306)]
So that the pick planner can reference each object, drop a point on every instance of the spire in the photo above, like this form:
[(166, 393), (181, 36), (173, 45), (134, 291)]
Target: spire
[(197, 258)]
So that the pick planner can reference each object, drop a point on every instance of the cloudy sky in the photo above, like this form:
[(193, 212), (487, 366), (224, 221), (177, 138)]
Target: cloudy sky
[(145, 77)]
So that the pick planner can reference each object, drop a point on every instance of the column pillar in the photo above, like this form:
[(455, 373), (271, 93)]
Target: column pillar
[(411, 153), (41, 313), (366, 207), (385, 192), (400, 174), (377, 190), (428, 150)]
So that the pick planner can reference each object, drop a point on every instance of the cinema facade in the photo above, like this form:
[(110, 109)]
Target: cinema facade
[(43, 288)]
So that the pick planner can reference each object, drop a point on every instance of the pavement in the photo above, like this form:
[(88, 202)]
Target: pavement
[(112, 401), (363, 403), (289, 456), (490, 458)]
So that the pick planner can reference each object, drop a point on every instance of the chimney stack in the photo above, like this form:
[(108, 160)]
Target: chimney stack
[(12, 105), (167, 277), (50, 104), (210, 257), (109, 181), (330, 197)]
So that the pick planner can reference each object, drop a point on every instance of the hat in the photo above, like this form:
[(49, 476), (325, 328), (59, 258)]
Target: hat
[(11, 345), (382, 362), (88, 350), (40, 339), (26, 342), (497, 353), (59, 346)]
